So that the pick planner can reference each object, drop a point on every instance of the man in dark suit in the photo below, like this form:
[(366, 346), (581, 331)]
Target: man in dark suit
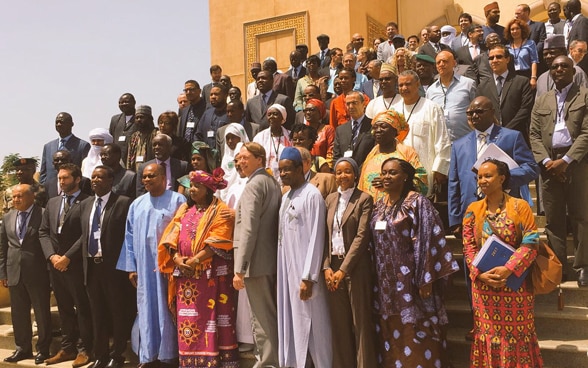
[(214, 117), (23, 270), (297, 70), (324, 54), (103, 219), (372, 87), (433, 47), (463, 183), (480, 69), (60, 229), (345, 145), (52, 186), (125, 181), (258, 105), (465, 55), (282, 82), (175, 168), (78, 147), (122, 125), (559, 138), (576, 26), (256, 242), (190, 115), (216, 73), (511, 94)]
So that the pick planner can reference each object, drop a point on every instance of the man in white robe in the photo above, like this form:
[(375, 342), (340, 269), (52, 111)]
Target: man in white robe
[(154, 336), (303, 315), (428, 133)]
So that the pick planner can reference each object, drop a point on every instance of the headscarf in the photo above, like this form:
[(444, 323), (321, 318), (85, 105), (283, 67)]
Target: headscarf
[(446, 40), (282, 111), (93, 158), (396, 121), (227, 163), (212, 181), (320, 105), (209, 154), (352, 163)]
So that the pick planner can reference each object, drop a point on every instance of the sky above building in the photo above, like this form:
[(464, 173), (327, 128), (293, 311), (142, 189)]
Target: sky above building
[(80, 56)]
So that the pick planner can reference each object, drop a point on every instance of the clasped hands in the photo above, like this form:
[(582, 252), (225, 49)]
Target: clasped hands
[(557, 168), (60, 263), (495, 277), (188, 266)]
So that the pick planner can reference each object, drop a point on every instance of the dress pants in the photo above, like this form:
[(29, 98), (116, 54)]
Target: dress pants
[(107, 289), (352, 323), (261, 291), (573, 196), (74, 309), (36, 293)]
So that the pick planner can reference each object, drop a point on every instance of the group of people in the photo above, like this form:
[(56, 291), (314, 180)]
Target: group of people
[(305, 221)]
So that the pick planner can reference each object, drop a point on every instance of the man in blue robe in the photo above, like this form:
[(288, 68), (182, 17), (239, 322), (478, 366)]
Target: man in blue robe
[(154, 337)]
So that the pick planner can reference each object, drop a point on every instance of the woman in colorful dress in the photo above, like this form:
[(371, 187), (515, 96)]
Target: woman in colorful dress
[(314, 115), (413, 263), (504, 328), (195, 253), (389, 129)]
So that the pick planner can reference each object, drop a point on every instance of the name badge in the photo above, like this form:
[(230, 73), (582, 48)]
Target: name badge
[(59, 230), (139, 159), (210, 134), (381, 225), (190, 124), (97, 234), (338, 246), (122, 138), (348, 153)]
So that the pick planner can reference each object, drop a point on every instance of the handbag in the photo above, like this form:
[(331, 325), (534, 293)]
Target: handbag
[(546, 271)]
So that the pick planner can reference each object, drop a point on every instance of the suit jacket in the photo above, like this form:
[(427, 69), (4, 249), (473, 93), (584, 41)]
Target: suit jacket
[(326, 60), (324, 182), (364, 144), (78, 148), (368, 89), (576, 117), (24, 261), (177, 168), (125, 183), (513, 109), (463, 56), (355, 224), (284, 84), (256, 109), (199, 109), (250, 128), (301, 74), (428, 49), (463, 181), (118, 128), (52, 191), (112, 229), (538, 34), (62, 243), (385, 50), (256, 226), (579, 30), (206, 93)]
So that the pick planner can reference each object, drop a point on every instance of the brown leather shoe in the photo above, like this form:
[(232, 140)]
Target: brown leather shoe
[(81, 360), (61, 356)]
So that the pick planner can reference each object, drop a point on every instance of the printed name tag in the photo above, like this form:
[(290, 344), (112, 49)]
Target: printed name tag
[(210, 134), (348, 153), (122, 138), (139, 159), (380, 225), (190, 124), (97, 234)]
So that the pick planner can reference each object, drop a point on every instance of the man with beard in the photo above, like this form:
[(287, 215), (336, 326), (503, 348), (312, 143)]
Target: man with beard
[(123, 125), (480, 68), (492, 13), (214, 117), (140, 148)]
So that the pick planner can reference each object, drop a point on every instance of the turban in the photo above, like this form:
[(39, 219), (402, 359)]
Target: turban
[(281, 109), (396, 121), (320, 105), (212, 181), (101, 133), (292, 154)]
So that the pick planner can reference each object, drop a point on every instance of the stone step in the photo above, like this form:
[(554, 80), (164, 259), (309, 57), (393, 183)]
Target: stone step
[(557, 351)]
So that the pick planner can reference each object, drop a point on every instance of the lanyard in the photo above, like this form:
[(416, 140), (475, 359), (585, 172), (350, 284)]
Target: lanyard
[(411, 110)]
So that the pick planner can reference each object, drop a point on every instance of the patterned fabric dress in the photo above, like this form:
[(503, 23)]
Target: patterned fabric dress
[(504, 327), (409, 254)]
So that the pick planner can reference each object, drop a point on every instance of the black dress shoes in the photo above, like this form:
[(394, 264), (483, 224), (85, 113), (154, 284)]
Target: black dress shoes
[(17, 356), (116, 363), (583, 277), (41, 357), (99, 363)]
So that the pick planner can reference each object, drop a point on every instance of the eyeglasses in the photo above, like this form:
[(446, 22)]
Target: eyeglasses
[(497, 57), (150, 176), (310, 109), (559, 65), (477, 112)]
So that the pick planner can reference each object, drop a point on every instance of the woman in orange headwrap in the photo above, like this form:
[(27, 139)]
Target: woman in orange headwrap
[(195, 254), (314, 114), (389, 129)]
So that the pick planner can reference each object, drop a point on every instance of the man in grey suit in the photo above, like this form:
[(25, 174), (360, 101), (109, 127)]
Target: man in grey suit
[(23, 271), (257, 106), (256, 246)]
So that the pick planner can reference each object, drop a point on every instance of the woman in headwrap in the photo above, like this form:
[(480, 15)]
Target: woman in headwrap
[(234, 134), (195, 252), (275, 138), (98, 138), (389, 129), (314, 114), (203, 158)]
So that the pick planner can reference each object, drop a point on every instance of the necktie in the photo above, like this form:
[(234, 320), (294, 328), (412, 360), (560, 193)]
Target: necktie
[(167, 186), (294, 74), (482, 137), (190, 130), (93, 245), (499, 85), (322, 55), (354, 131), (376, 89), (437, 47), (61, 144), (22, 218), (66, 206)]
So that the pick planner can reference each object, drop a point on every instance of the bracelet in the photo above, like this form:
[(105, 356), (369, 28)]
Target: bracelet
[(175, 256), (533, 77)]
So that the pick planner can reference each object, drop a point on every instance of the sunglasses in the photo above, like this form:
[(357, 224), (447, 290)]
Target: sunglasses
[(497, 57)]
